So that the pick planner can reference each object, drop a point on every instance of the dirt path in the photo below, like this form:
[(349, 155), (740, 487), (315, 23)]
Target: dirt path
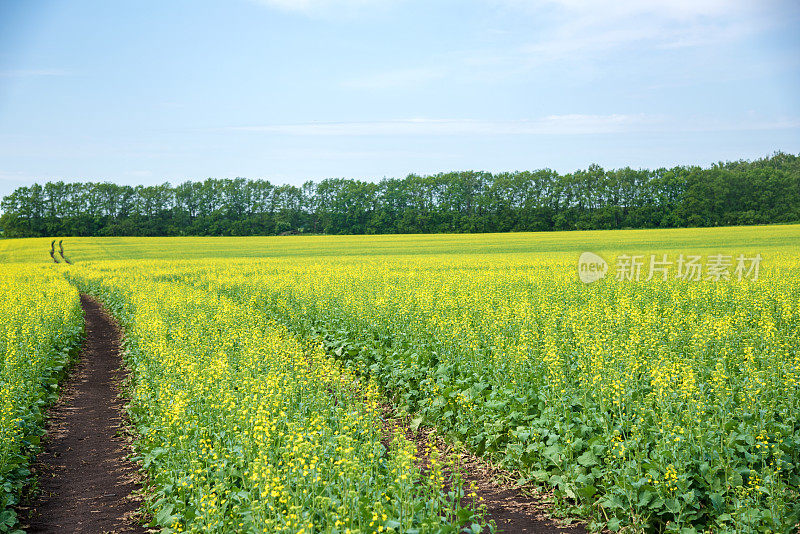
[(512, 510), (86, 483)]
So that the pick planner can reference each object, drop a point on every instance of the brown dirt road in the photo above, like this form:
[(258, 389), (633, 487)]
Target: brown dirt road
[(86, 483)]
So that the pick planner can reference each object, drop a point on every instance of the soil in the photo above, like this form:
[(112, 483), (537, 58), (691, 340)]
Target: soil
[(86, 483), (513, 509)]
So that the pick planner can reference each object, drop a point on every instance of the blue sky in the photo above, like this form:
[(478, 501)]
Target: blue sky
[(291, 90)]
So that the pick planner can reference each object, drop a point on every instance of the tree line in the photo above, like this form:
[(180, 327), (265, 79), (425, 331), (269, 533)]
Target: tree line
[(742, 192)]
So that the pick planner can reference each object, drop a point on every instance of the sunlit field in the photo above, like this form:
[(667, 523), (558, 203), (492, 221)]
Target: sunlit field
[(41, 324), (762, 238), (648, 403)]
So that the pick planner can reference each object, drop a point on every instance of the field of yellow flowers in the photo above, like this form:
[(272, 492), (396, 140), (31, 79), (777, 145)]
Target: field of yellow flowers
[(668, 404), (671, 405), (40, 329), (245, 427)]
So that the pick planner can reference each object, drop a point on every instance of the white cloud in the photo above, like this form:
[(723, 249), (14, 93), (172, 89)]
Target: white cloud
[(746, 124), (581, 33), (550, 125), (577, 30), (309, 153), (569, 124)]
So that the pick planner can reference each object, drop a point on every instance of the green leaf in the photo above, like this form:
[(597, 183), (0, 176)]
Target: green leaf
[(614, 502), (8, 518), (586, 492), (481, 446), (415, 423), (587, 459), (164, 515), (553, 451), (645, 497), (540, 476)]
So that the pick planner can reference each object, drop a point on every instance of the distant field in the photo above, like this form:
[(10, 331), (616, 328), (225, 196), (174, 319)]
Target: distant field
[(664, 405), (78, 249)]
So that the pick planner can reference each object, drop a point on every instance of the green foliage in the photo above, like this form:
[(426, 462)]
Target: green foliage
[(651, 407), (734, 193), (664, 407), (244, 428), (39, 336)]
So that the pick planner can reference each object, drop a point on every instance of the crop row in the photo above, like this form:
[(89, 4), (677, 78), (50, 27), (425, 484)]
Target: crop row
[(244, 428), (666, 406), (40, 330), (656, 407)]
